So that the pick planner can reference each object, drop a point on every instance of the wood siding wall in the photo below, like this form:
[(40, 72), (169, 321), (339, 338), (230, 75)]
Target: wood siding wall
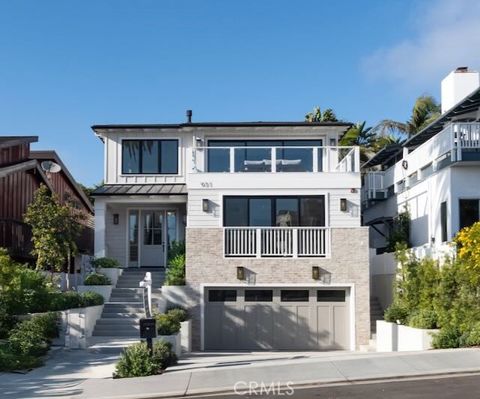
[(14, 154), (16, 192)]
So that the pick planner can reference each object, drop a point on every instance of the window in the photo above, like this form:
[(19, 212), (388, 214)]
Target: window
[(331, 296), (150, 156), (443, 220), (294, 295), (171, 227), (274, 211), (222, 295), (258, 295), (152, 228), (469, 212), (133, 236)]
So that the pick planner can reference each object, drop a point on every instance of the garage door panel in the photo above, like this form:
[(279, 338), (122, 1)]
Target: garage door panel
[(340, 324), (324, 326), (258, 326), (223, 326)]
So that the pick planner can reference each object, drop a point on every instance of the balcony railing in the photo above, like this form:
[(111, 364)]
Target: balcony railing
[(373, 187), (261, 242), (275, 159)]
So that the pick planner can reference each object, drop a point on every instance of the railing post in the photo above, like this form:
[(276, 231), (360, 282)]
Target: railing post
[(315, 160), (273, 159), (357, 159), (232, 159), (326, 161), (295, 243), (459, 142), (259, 242)]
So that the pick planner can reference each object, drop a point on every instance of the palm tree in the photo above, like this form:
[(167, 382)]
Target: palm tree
[(317, 116), (425, 110), (364, 137)]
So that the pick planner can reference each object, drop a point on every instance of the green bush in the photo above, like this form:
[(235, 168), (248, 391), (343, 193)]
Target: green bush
[(178, 314), (7, 321), (473, 337), (167, 324), (10, 361), (176, 271), (97, 279), (424, 318), (396, 313), (90, 298), (176, 248), (106, 263), (448, 337), (65, 300), (136, 360)]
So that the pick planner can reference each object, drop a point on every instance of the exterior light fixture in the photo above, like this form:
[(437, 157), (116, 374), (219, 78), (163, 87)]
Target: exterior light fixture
[(115, 218), (205, 205), (333, 142), (343, 204), (240, 273), (316, 273)]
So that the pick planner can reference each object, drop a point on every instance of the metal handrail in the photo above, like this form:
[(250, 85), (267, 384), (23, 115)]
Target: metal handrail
[(146, 284)]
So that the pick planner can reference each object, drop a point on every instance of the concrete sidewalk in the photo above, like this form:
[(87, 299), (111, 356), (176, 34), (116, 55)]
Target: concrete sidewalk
[(222, 376)]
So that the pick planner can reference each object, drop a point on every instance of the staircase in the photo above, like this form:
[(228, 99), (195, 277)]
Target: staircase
[(121, 314), (376, 313)]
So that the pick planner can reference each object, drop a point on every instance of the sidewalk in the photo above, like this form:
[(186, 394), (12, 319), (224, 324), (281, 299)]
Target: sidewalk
[(221, 377)]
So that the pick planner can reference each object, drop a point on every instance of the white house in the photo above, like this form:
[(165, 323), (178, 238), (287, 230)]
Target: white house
[(270, 215), (435, 175)]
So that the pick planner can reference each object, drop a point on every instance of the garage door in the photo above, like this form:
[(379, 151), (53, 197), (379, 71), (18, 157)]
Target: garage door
[(276, 319)]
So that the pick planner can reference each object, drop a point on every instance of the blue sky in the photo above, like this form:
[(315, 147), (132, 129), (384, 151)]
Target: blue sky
[(65, 65)]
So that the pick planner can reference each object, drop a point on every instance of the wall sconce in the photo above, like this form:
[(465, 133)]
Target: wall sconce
[(240, 273), (205, 205), (316, 273), (333, 142), (199, 141), (115, 218), (322, 275), (343, 204)]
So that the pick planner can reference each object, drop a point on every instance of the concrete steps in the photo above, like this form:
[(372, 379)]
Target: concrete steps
[(376, 313)]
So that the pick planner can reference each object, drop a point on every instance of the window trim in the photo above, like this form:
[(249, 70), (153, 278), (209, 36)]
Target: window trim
[(140, 173), (273, 207), (270, 290), (282, 300)]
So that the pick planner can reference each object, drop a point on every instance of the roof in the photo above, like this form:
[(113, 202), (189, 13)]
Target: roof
[(468, 104), (24, 166), (141, 189), (52, 155), (8, 141), (218, 124), (383, 155)]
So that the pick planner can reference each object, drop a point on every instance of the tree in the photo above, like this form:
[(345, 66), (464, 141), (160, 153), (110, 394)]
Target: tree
[(425, 110), (317, 116), (364, 137), (55, 227)]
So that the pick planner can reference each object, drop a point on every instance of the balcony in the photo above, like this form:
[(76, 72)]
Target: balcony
[(277, 242), (286, 159)]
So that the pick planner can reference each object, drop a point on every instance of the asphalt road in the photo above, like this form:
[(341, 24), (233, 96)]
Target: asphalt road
[(465, 387)]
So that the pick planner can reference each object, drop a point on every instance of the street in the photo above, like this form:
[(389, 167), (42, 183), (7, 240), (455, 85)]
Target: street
[(463, 387)]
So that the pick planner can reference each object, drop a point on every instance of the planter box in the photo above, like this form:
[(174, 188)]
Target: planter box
[(77, 326), (392, 337), (175, 340), (186, 336), (103, 290), (113, 273)]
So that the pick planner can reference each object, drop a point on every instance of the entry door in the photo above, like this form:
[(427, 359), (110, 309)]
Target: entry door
[(152, 238)]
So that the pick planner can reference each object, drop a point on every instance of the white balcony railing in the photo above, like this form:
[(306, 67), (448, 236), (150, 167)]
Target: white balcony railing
[(277, 242), (275, 159), (373, 187)]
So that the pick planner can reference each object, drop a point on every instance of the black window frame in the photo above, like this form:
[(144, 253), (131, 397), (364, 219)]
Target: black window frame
[(224, 297), (333, 297), (258, 291), (273, 207), (140, 156), (286, 299), (444, 221), (460, 212)]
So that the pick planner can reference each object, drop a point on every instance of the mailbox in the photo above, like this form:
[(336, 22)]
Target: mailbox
[(148, 328)]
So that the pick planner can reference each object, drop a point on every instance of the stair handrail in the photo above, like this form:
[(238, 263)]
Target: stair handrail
[(146, 284)]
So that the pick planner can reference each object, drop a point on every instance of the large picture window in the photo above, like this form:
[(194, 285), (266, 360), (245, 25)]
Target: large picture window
[(281, 211), (150, 156)]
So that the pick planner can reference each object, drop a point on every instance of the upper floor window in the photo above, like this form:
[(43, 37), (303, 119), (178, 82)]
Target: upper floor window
[(150, 156)]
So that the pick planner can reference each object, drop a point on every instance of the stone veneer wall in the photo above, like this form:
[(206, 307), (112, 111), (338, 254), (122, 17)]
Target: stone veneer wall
[(349, 263)]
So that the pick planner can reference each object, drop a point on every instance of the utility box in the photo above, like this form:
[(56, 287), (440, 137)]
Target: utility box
[(148, 328)]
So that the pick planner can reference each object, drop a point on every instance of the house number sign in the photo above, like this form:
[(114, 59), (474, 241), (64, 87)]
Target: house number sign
[(206, 184)]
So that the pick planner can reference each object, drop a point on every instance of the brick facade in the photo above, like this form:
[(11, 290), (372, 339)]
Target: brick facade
[(349, 264)]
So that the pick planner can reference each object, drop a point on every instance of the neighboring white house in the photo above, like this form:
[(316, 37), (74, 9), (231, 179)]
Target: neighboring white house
[(435, 175), (270, 214)]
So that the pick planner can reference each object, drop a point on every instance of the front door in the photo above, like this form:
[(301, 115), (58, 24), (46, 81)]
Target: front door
[(152, 238)]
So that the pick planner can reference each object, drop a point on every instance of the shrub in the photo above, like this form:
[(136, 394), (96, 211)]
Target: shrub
[(178, 314), (423, 318), (7, 321), (176, 248), (90, 298), (400, 233), (473, 337), (448, 337), (136, 360), (10, 361), (106, 263), (97, 279), (176, 271), (66, 300), (166, 324), (396, 313)]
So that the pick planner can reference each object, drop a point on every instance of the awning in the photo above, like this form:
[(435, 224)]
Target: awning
[(141, 189)]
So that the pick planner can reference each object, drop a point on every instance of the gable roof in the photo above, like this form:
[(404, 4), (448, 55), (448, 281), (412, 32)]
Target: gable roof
[(25, 166), (9, 141)]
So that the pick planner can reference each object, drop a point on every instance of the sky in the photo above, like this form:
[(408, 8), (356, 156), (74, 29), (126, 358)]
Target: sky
[(66, 65)]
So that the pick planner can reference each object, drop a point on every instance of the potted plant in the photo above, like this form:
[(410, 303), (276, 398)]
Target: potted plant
[(168, 329), (99, 283), (109, 267)]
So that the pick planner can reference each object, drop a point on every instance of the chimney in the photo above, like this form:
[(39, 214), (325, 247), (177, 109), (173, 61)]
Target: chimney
[(457, 85), (189, 116)]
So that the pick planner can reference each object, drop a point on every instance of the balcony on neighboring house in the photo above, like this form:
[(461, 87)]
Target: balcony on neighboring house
[(270, 242), (283, 159), (16, 237)]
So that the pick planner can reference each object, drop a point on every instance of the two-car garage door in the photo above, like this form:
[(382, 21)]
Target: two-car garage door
[(266, 318)]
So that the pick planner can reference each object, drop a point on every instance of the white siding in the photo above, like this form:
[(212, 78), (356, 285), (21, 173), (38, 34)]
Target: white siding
[(116, 234)]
